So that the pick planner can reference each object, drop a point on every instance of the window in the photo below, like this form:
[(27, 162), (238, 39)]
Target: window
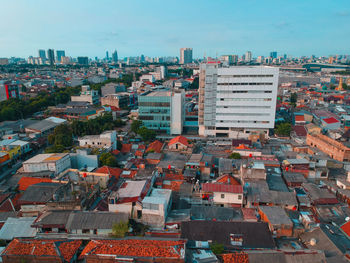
[(239, 197), (222, 196)]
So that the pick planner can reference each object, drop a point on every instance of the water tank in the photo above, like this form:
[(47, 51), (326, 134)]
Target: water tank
[(313, 241)]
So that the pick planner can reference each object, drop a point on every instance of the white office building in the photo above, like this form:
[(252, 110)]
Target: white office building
[(235, 101)]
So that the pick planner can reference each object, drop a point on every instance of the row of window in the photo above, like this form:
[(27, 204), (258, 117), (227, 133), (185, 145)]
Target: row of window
[(246, 106), (242, 114), (241, 121), (245, 84), (154, 104), (244, 99), (245, 91), (151, 118), (245, 76)]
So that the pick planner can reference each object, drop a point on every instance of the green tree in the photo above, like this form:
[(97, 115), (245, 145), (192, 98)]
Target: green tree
[(235, 156), (293, 98), (283, 129), (108, 159), (120, 229), (119, 145), (217, 248), (146, 134), (135, 125)]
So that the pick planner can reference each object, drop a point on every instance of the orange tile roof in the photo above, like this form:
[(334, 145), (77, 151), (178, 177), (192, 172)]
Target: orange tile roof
[(237, 257), (179, 139), (109, 170), (25, 182), (346, 228), (135, 248), (138, 153), (155, 146), (299, 118), (44, 247), (126, 148), (227, 179), (142, 147), (116, 152)]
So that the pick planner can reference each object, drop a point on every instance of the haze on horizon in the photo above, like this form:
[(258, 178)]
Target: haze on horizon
[(161, 28)]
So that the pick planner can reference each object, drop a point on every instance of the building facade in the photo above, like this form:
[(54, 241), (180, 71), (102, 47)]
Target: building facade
[(8, 90), (87, 94), (162, 110), (60, 54), (51, 56), (234, 101), (185, 55)]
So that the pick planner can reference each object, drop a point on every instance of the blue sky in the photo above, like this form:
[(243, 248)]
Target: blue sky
[(161, 28)]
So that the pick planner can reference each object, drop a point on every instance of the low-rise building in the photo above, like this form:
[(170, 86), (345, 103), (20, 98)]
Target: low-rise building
[(106, 140), (224, 195), (119, 101), (55, 162), (156, 207), (279, 222), (87, 94)]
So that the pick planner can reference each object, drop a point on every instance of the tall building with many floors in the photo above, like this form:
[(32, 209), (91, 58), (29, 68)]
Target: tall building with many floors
[(51, 56), (186, 55), (234, 101), (60, 54)]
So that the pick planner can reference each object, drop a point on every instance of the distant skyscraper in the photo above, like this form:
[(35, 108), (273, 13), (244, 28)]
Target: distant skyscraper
[(115, 56), (185, 55), (83, 60), (51, 56), (42, 53), (273, 54), (107, 56), (60, 54), (142, 59), (248, 56)]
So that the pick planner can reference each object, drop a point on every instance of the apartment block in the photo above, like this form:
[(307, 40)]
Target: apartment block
[(235, 101)]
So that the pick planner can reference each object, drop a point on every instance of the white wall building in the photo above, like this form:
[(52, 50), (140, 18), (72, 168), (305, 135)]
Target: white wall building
[(106, 140), (87, 94), (55, 162), (233, 101)]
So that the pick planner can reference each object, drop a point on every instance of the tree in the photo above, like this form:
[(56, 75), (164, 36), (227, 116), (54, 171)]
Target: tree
[(146, 134), (235, 156), (108, 159), (120, 229), (135, 125), (283, 129), (217, 248), (293, 98), (119, 145)]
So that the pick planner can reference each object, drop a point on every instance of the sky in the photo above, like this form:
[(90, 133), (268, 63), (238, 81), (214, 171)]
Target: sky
[(162, 27)]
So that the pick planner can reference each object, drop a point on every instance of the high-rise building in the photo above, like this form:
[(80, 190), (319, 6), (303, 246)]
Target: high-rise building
[(273, 54), (248, 56), (229, 59), (186, 55), (51, 56), (107, 56), (83, 60), (60, 54), (162, 110), (235, 101), (115, 56), (42, 54)]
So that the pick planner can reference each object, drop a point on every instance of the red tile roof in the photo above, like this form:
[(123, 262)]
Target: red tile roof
[(299, 118), (227, 179), (138, 153), (7, 206), (237, 257), (142, 147), (155, 146), (179, 139), (300, 130), (109, 170), (44, 247), (346, 228), (25, 182), (126, 148), (116, 152), (136, 248), (224, 188), (330, 120)]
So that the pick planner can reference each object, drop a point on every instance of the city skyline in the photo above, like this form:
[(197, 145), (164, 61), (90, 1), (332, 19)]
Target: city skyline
[(89, 29)]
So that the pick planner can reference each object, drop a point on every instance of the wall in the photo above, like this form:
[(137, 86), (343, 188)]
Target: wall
[(229, 198)]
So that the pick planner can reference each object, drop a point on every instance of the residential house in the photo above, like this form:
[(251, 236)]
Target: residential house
[(179, 143), (223, 195), (106, 140), (279, 222)]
